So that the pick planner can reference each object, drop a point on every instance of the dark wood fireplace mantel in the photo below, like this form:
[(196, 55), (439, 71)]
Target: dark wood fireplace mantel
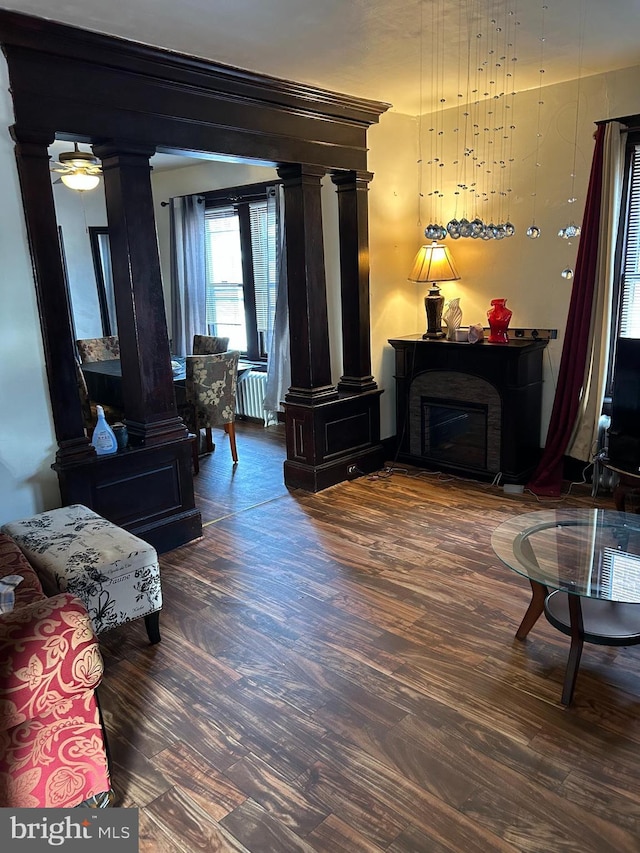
[(470, 409)]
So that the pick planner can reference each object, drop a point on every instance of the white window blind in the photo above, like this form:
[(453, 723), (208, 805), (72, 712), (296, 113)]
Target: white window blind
[(263, 237), (630, 297)]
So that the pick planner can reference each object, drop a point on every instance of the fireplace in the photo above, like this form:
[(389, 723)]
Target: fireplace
[(472, 409), (455, 418), (454, 432)]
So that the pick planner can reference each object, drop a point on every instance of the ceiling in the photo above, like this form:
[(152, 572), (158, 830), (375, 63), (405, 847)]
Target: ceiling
[(403, 52)]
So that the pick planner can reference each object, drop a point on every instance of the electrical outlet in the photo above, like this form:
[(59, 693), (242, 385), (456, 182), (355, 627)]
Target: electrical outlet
[(533, 334)]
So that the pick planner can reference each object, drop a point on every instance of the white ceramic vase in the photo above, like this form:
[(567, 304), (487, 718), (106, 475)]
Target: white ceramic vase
[(452, 318)]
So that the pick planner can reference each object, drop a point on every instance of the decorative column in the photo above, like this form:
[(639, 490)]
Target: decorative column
[(53, 299), (147, 380), (330, 436), (307, 292), (148, 488), (353, 212)]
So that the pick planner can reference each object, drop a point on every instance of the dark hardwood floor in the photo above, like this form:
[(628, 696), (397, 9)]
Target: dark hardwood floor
[(338, 672)]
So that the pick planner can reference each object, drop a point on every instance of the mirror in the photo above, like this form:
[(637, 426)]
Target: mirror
[(99, 241)]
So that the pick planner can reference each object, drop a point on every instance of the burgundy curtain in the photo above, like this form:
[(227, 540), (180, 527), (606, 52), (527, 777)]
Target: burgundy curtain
[(547, 479)]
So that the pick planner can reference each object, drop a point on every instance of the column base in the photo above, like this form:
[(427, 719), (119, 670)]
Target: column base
[(328, 441)]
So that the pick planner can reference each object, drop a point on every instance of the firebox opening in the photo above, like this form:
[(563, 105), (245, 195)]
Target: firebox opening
[(455, 432)]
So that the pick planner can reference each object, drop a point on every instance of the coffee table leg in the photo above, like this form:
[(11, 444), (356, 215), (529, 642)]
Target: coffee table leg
[(575, 652), (539, 592)]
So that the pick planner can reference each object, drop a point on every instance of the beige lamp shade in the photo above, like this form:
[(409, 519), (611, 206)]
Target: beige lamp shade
[(433, 263)]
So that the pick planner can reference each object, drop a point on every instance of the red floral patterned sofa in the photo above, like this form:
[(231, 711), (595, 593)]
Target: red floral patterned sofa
[(52, 748)]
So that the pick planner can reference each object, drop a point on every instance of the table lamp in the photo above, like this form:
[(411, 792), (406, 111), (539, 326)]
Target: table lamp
[(433, 264)]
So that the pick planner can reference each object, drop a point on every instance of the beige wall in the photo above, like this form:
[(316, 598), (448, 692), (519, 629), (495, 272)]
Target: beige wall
[(395, 308), (526, 272)]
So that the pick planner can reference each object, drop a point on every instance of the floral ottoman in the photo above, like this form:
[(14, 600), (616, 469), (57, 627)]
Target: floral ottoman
[(114, 573)]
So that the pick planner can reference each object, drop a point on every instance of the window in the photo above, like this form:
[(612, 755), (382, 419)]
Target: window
[(629, 300), (241, 267), (625, 318)]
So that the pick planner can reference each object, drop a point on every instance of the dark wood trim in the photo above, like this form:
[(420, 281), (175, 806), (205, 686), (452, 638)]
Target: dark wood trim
[(232, 195), (101, 286), (353, 212), (306, 284), (65, 272), (248, 282), (53, 302), (235, 84), (513, 370), (182, 103), (147, 379), (128, 100), (326, 443)]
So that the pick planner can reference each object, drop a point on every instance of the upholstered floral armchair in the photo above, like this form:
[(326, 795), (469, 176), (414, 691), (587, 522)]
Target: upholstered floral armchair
[(89, 412), (211, 383), (52, 748), (209, 344), (98, 349)]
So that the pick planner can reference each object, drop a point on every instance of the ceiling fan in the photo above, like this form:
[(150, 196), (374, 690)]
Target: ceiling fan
[(79, 170)]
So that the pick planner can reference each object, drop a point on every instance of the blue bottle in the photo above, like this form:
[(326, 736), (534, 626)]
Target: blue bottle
[(103, 438)]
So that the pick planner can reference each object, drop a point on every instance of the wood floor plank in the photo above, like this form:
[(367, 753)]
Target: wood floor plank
[(191, 828), (335, 836), (193, 774), (262, 833), (154, 839), (442, 837), (275, 795)]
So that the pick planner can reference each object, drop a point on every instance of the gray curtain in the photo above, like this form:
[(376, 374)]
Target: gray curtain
[(278, 362), (188, 280)]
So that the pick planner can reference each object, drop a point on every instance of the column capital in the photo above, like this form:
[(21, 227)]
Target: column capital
[(359, 179), (114, 153), (295, 173), (31, 136)]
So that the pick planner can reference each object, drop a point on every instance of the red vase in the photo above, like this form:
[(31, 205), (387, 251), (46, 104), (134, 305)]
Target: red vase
[(498, 316)]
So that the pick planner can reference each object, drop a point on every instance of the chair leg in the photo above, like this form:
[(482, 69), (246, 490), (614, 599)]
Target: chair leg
[(152, 624), (195, 458), (230, 429), (209, 446)]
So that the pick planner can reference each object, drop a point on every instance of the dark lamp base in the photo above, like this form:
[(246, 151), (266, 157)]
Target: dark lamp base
[(433, 335)]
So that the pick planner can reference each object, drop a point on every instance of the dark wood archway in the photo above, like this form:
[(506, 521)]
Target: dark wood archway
[(128, 101)]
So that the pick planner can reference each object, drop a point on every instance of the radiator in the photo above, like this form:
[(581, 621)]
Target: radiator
[(252, 387)]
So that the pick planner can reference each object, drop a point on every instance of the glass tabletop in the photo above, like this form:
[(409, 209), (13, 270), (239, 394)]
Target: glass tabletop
[(594, 553)]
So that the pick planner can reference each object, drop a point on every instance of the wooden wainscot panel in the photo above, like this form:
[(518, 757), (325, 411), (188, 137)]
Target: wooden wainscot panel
[(298, 426), (147, 490), (347, 434), (341, 436)]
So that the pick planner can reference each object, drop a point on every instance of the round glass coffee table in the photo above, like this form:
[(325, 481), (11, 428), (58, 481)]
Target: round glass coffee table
[(584, 569)]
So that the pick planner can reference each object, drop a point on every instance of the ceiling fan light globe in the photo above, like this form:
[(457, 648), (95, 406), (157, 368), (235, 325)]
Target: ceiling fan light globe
[(80, 181)]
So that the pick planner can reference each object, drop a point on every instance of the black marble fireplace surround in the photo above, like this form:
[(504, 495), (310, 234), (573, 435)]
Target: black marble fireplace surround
[(470, 409)]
